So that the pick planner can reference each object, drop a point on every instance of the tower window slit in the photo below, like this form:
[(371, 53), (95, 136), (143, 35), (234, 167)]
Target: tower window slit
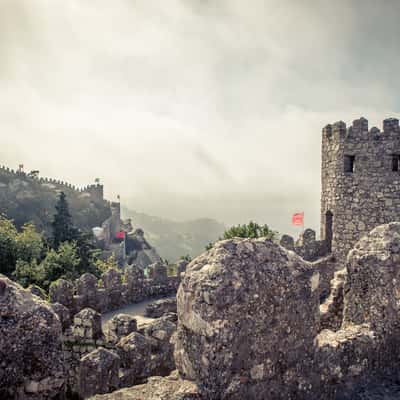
[(349, 162), (395, 162)]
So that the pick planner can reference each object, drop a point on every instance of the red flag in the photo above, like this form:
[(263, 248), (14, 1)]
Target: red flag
[(120, 235), (298, 219)]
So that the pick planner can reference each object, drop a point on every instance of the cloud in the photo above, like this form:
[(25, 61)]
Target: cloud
[(193, 108)]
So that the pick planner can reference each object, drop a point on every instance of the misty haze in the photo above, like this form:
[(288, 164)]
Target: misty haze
[(199, 200), (192, 109)]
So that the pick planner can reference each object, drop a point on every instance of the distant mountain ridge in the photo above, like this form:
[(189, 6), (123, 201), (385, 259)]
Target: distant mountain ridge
[(174, 239)]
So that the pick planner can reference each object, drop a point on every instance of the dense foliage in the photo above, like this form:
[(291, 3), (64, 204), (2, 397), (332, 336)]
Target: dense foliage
[(25, 198), (29, 258), (251, 230), (63, 228)]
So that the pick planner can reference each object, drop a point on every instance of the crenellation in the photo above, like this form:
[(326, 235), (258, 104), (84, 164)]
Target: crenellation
[(360, 182), (360, 126), (339, 128), (391, 125), (327, 130), (95, 190)]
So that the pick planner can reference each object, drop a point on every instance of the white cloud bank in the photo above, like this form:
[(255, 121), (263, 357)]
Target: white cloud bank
[(193, 108)]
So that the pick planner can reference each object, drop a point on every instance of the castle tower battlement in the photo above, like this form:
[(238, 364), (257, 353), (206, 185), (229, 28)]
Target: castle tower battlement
[(360, 176)]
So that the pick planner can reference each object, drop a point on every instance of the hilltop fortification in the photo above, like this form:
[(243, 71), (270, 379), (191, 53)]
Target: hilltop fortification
[(360, 181), (26, 197)]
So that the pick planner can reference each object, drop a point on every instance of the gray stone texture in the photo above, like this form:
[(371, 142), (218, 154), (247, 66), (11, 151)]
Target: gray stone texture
[(86, 288), (306, 246), (119, 326), (158, 308), (368, 196), (62, 292), (157, 388), (31, 359), (98, 373), (250, 325), (248, 316), (63, 315), (135, 353), (87, 325)]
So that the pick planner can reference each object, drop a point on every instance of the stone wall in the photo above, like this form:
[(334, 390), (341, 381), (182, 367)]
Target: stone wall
[(306, 246), (250, 310), (359, 186), (124, 355), (31, 361), (114, 290), (95, 190)]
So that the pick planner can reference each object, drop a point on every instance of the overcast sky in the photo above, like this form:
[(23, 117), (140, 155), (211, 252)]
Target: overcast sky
[(193, 108)]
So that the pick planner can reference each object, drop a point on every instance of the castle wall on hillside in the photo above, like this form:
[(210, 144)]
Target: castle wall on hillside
[(96, 191), (360, 176)]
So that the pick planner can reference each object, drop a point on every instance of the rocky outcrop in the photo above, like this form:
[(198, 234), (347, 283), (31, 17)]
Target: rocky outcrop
[(158, 308), (160, 333), (119, 326), (157, 388), (139, 251), (306, 246), (62, 291), (31, 359), (87, 325), (135, 353), (331, 310), (249, 310), (98, 373)]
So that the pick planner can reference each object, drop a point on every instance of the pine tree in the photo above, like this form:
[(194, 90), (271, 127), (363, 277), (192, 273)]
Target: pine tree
[(63, 227)]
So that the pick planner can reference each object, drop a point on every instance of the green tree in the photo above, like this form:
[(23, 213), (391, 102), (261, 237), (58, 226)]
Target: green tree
[(63, 227), (251, 230), (104, 266), (88, 254), (29, 244), (8, 235), (61, 263), (29, 273)]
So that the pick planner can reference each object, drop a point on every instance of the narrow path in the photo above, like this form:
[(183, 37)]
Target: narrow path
[(137, 310)]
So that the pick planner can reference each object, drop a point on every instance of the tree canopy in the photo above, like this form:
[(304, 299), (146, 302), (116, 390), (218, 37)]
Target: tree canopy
[(251, 230), (63, 227), (29, 258)]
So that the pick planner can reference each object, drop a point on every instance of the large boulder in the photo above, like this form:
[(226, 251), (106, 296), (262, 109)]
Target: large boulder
[(62, 291), (112, 282), (135, 353), (63, 314), (31, 359), (160, 332), (139, 251), (87, 325), (119, 326), (366, 347), (98, 372), (134, 277), (158, 308), (372, 286), (157, 388), (248, 316), (86, 289)]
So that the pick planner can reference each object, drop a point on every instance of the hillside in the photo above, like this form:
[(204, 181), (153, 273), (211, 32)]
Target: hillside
[(174, 239), (26, 198)]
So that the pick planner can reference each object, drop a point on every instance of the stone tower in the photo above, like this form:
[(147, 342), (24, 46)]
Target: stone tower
[(360, 181)]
